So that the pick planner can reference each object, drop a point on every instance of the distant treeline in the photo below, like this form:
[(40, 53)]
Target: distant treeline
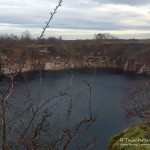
[(101, 44), (12, 40)]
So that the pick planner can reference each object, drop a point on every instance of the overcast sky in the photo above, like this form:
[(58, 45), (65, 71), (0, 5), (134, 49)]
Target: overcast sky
[(77, 18)]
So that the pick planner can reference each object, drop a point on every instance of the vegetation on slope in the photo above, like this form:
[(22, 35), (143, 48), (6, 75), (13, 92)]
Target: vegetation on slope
[(136, 137)]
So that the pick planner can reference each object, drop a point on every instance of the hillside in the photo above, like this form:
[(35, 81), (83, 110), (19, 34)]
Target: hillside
[(125, 55)]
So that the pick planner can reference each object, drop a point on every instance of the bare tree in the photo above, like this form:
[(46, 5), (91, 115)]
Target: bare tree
[(137, 101), (104, 36), (25, 124), (26, 35)]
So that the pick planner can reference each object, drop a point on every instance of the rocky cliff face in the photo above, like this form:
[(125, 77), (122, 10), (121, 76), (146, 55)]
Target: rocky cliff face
[(129, 57), (137, 66), (130, 65), (59, 63), (86, 62)]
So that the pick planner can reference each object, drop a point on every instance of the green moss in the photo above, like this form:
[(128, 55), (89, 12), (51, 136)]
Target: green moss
[(136, 137)]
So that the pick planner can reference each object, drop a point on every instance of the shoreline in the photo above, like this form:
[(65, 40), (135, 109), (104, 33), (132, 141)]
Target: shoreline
[(30, 74)]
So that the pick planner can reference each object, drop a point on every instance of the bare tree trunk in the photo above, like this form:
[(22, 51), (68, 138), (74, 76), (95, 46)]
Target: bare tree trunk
[(4, 114)]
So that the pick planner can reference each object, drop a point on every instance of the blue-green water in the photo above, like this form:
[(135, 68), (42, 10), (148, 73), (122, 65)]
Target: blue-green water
[(107, 92)]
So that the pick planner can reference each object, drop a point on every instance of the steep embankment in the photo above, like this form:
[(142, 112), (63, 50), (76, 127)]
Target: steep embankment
[(131, 56), (125, 56)]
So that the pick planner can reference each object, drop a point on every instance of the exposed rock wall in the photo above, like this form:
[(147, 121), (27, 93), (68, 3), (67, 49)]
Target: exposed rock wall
[(58, 63), (138, 66)]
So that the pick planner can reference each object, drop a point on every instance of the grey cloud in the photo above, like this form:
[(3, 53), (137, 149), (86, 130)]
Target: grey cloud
[(72, 19), (76, 17), (128, 2), (87, 21)]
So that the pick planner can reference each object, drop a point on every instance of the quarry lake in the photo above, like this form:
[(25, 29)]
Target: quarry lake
[(107, 92)]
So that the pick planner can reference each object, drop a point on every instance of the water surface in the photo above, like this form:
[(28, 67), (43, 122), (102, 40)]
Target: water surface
[(107, 92)]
